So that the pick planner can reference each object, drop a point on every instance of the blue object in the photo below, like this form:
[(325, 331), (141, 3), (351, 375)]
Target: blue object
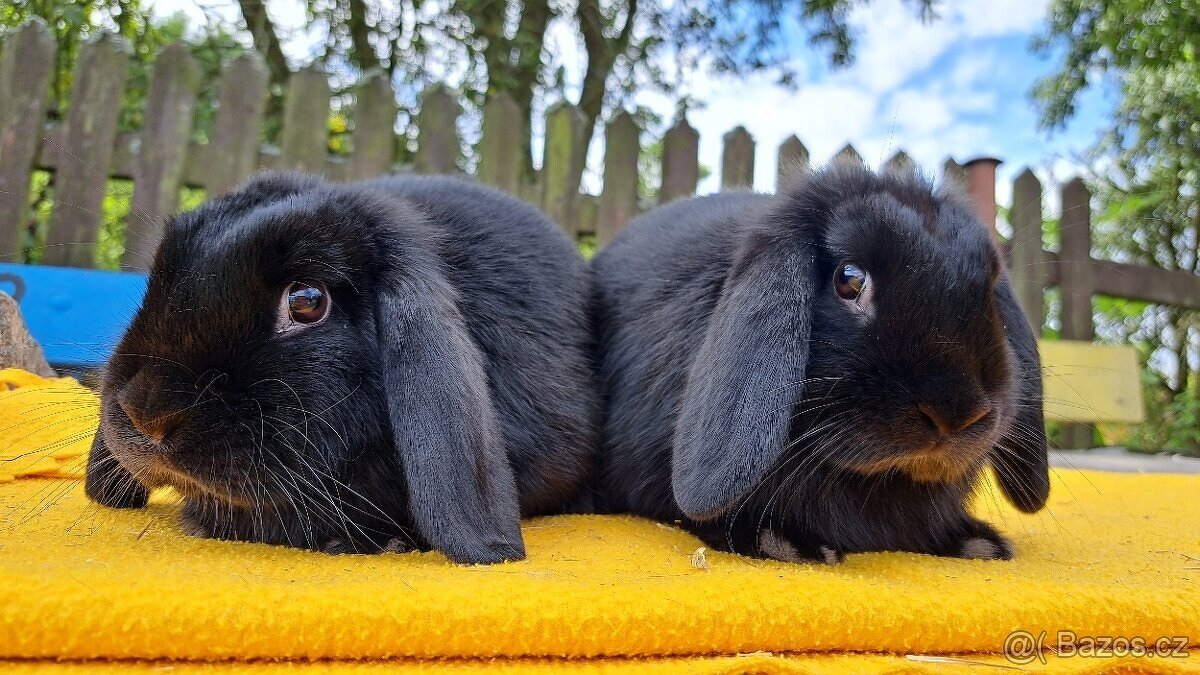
[(77, 315)]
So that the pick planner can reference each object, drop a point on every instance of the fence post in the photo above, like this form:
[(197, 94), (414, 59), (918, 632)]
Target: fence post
[(25, 70), (305, 136), (232, 153), (680, 162), (899, 163), (437, 136), (737, 160), (564, 135), (163, 144), (981, 185), (1077, 284), (953, 175), (501, 157), (618, 202), (374, 128), (793, 158), (849, 154), (82, 173), (1027, 267)]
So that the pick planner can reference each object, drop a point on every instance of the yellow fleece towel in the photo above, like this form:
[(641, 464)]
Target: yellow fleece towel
[(82, 586)]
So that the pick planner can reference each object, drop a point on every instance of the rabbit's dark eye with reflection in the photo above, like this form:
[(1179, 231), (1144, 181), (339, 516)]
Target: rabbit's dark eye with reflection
[(307, 303), (819, 372), (849, 280)]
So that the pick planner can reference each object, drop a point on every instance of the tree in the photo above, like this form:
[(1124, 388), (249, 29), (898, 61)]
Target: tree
[(500, 44), (1149, 52)]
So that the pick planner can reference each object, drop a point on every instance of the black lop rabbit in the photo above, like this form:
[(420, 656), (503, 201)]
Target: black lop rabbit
[(818, 372), (402, 362)]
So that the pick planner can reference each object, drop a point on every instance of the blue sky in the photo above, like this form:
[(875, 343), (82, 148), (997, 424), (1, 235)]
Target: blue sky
[(957, 86)]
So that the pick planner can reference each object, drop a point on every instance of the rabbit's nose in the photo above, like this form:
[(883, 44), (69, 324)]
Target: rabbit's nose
[(145, 414), (149, 424), (949, 420)]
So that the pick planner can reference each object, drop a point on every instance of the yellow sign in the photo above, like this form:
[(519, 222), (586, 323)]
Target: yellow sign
[(1085, 382)]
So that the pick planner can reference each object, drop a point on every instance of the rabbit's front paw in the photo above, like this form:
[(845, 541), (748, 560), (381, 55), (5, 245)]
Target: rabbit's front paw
[(776, 546)]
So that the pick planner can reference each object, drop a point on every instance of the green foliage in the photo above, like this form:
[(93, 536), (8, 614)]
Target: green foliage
[(115, 212), (1173, 419), (650, 172), (1148, 183), (587, 245)]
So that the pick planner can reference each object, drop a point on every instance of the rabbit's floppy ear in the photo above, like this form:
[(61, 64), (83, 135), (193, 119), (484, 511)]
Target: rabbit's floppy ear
[(462, 494), (1020, 458), (747, 377)]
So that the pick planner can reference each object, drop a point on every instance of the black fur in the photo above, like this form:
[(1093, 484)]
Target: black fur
[(747, 400), (448, 392)]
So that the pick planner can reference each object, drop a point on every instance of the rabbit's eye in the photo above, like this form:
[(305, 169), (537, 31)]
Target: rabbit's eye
[(307, 303), (849, 280)]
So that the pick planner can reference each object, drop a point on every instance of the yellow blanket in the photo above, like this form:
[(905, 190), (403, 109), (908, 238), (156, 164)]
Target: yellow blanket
[(82, 587)]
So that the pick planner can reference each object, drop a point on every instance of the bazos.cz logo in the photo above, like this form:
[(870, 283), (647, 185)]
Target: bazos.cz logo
[(1022, 647)]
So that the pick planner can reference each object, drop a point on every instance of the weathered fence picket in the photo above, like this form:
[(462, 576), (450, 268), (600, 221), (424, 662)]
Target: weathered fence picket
[(305, 136), (849, 154), (793, 157), (374, 128), (87, 148), (618, 202), (680, 162), (899, 163), (158, 170), (564, 134), (954, 174), (737, 160), (232, 153), (1075, 274), (25, 70), (437, 138), (1025, 257), (501, 156)]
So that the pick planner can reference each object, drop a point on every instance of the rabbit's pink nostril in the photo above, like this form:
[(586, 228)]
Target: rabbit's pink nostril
[(947, 422)]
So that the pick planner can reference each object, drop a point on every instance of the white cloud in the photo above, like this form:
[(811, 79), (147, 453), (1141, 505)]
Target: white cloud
[(918, 113), (894, 44), (886, 100), (985, 18), (970, 68)]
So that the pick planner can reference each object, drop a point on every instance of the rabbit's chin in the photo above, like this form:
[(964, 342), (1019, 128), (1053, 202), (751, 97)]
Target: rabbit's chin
[(937, 464), (160, 472), (155, 469)]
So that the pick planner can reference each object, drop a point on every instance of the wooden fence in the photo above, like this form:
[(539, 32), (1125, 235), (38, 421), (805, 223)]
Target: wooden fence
[(84, 150)]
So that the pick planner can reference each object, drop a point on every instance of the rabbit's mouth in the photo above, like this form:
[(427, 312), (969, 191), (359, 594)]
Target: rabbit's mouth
[(161, 470), (156, 468), (939, 462)]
